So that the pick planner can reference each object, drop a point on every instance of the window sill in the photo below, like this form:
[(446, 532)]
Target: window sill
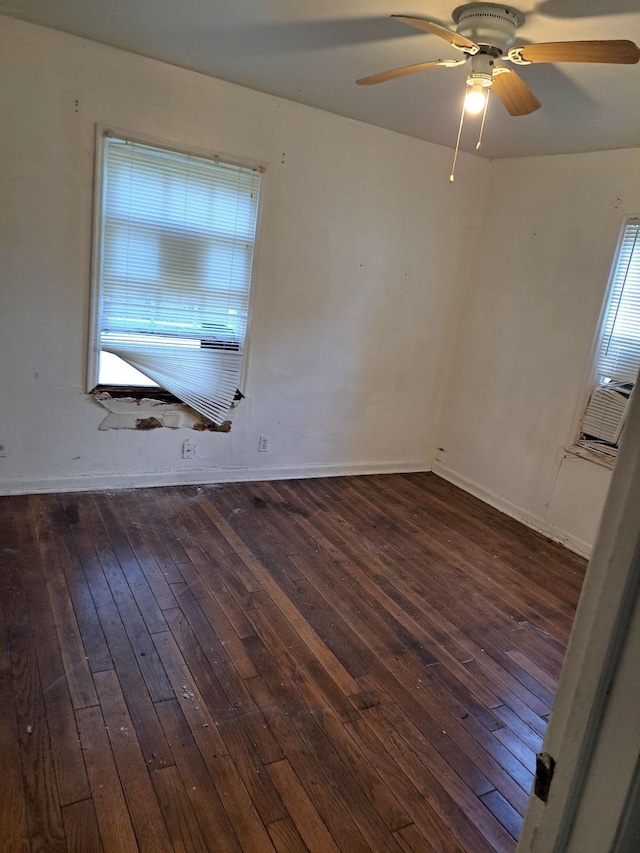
[(135, 392), (592, 455)]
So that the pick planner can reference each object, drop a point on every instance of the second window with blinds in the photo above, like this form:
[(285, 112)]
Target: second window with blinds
[(175, 236), (618, 353)]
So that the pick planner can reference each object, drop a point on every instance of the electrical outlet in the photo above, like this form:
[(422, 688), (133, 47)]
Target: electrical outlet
[(3, 448), (263, 444), (188, 449)]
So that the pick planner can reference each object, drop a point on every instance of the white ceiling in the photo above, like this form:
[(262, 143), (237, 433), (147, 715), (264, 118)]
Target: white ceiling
[(312, 51)]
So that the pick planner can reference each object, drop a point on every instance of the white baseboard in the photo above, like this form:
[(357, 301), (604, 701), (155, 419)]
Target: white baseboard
[(537, 523), (96, 482)]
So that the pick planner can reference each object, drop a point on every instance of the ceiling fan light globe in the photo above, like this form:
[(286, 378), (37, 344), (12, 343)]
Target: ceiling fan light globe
[(475, 99)]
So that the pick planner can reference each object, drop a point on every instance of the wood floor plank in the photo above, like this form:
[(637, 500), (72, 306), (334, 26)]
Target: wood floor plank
[(470, 642), (246, 822), (119, 556), (232, 662), (198, 784), (125, 658), (413, 841), (445, 630), (535, 671), (464, 750), (296, 659), (164, 546), (538, 645), (127, 513), (184, 829), (442, 824), (434, 830), (503, 756), (528, 735), (349, 663), (188, 520), (224, 630), (342, 678), (513, 701), (285, 837), (503, 812), (443, 543), (250, 768), (506, 758), (118, 593), (42, 798), (337, 742), (230, 665), (359, 567), (218, 569), (520, 750), (322, 752), (373, 785), (68, 760), (149, 826), (63, 515), (78, 672), (543, 554), (302, 811), (14, 826), (524, 550), (108, 797), (274, 701), (81, 827), (387, 723), (261, 529)]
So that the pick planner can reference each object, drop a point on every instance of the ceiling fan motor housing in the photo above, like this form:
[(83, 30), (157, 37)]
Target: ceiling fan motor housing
[(488, 24)]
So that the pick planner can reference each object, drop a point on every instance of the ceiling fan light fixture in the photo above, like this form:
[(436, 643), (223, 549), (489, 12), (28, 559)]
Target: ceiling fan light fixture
[(475, 99), (476, 94), (486, 33)]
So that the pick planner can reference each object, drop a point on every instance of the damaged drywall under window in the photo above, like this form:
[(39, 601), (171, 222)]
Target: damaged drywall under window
[(148, 414)]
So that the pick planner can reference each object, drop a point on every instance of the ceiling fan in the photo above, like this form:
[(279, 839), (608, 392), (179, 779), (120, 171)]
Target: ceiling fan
[(485, 34)]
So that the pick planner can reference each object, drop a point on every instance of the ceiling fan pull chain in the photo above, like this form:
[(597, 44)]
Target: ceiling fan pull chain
[(455, 154), (484, 115)]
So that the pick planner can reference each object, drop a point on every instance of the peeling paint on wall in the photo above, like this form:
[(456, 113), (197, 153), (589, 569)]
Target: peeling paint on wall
[(147, 414), (148, 423), (225, 426)]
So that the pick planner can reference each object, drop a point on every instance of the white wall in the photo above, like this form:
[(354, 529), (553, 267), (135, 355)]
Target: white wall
[(356, 280), (517, 380), (594, 729)]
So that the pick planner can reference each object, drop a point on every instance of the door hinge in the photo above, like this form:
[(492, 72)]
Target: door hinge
[(545, 767)]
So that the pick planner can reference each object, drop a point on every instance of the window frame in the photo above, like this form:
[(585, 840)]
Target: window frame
[(593, 382), (102, 132)]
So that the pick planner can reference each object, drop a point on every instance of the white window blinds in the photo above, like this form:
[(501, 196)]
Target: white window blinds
[(619, 353), (618, 356), (177, 245)]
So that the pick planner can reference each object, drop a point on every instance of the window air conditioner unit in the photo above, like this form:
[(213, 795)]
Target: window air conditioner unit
[(606, 411)]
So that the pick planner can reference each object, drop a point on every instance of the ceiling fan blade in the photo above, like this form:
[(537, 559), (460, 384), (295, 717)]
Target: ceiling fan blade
[(620, 51), (408, 69), (513, 92), (454, 39)]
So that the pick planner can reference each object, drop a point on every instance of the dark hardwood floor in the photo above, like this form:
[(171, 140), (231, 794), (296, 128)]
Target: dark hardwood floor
[(348, 664)]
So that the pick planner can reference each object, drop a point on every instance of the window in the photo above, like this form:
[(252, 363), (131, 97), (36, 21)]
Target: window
[(618, 355), (175, 243)]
